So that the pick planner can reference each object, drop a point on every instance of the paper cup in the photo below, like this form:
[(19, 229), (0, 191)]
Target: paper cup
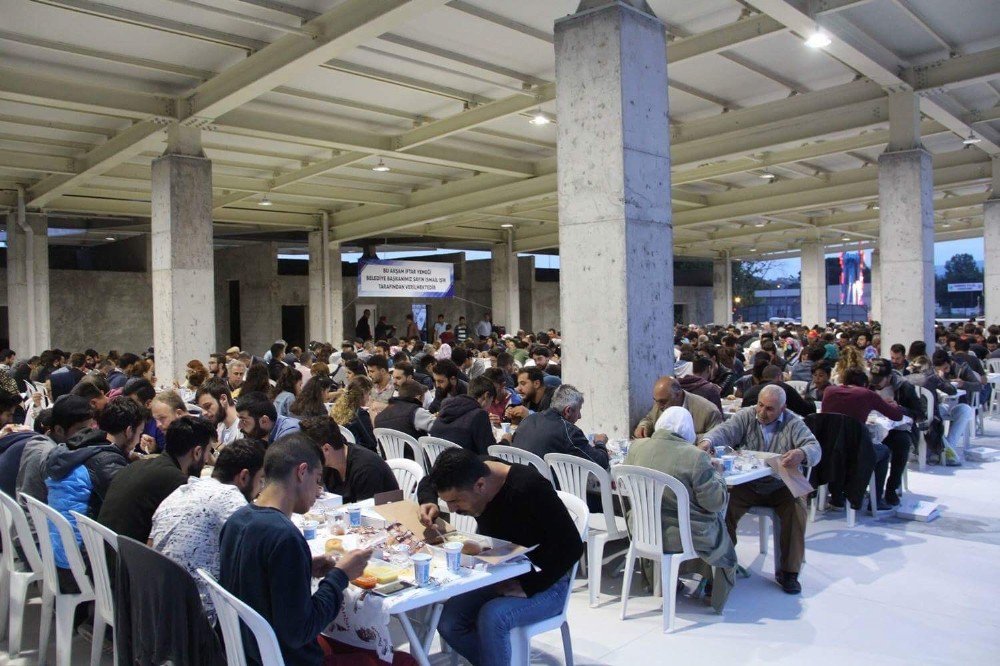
[(727, 464), (422, 568), (453, 556), (309, 529), (354, 515)]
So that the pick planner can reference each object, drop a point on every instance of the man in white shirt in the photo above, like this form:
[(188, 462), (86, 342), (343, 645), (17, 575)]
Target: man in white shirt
[(484, 328), (217, 405), (440, 327), (187, 524)]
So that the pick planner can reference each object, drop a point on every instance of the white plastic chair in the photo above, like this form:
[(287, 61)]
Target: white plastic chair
[(348, 435), (65, 604), (979, 413), (928, 398), (573, 474), (644, 489), (14, 522), (520, 637), (230, 611), (394, 443), (95, 536), (512, 454), (433, 446), (798, 385), (408, 474)]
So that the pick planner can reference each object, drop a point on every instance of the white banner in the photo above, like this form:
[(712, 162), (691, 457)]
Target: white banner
[(965, 286), (405, 279)]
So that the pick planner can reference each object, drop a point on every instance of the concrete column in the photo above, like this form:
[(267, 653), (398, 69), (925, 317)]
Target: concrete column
[(722, 291), (28, 299), (326, 306), (906, 227), (991, 249), (615, 234), (506, 288), (875, 306), (813, 288), (183, 258)]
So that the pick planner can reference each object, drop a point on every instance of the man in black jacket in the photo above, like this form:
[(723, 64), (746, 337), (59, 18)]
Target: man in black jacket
[(463, 419), (446, 384), (351, 471), (892, 386), (62, 382), (554, 430), (405, 412), (515, 503)]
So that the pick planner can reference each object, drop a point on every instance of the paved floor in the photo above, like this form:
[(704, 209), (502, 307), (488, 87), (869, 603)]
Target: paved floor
[(887, 591)]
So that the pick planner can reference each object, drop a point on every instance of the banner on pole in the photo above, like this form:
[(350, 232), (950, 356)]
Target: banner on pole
[(405, 279)]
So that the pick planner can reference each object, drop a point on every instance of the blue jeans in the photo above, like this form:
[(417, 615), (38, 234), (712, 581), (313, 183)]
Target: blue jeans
[(477, 624), (961, 416)]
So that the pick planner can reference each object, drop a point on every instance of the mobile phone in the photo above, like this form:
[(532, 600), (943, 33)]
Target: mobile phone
[(392, 588)]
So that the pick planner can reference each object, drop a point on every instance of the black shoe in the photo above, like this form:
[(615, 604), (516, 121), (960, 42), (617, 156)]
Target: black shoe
[(789, 582), (891, 498), (882, 505)]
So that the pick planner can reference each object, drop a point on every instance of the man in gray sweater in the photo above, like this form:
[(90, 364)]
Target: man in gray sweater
[(770, 427)]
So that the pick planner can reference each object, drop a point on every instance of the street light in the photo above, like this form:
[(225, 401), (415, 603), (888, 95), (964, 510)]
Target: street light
[(737, 300)]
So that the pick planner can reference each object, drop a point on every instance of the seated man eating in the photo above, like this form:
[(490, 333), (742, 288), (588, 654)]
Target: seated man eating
[(515, 503), (770, 427)]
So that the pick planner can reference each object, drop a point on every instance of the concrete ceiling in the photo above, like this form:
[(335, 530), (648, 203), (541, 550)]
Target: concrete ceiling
[(773, 142)]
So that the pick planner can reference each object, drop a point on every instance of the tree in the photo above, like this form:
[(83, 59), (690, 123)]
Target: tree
[(748, 277), (959, 269)]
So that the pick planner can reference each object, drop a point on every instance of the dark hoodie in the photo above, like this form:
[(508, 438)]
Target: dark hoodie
[(78, 474), (703, 387), (463, 421), (11, 448)]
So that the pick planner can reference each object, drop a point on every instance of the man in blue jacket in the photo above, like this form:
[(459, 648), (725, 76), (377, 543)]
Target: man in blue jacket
[(79, 472)]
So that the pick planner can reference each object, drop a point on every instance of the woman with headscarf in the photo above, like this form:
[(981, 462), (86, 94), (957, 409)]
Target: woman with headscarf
[(444, 352), (671, 450)]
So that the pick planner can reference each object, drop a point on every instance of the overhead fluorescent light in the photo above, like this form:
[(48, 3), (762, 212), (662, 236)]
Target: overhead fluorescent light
[(971, 140), (381, 167), (264, 201), (109, 238), (507, 226), (539, 118), (767, 175), (818, 39)]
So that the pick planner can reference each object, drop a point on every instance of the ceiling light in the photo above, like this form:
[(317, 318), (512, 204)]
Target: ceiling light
[(760, 224), (539, 118), (875, 207), (845, 238), (381, 167), (109, 238), (818, 39), (767, 175), (264, 201), (946, 225), (970, 140), (753, 249), (507, 226)]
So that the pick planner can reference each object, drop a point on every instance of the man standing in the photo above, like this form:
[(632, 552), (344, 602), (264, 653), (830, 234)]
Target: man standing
[(461, 331), (217, 405), (667, 392), (439, 327), (136, 492), (187, 524), (484, 328), (266, 562), (772, 428), (383, 330), (515, 503), (363, 329)]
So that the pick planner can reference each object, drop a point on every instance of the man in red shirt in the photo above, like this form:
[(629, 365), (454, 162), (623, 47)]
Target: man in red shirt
[(856, 400)]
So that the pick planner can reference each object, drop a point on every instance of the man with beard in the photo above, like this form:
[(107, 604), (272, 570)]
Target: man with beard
[(446, 384), (535, 395), (187, 524), (259, 419), (217, 405), (136, 492)]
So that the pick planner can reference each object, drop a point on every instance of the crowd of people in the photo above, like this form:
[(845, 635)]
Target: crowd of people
[(101, 437)]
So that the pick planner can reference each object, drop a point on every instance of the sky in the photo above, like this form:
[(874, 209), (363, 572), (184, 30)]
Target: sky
[(781, 268)]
